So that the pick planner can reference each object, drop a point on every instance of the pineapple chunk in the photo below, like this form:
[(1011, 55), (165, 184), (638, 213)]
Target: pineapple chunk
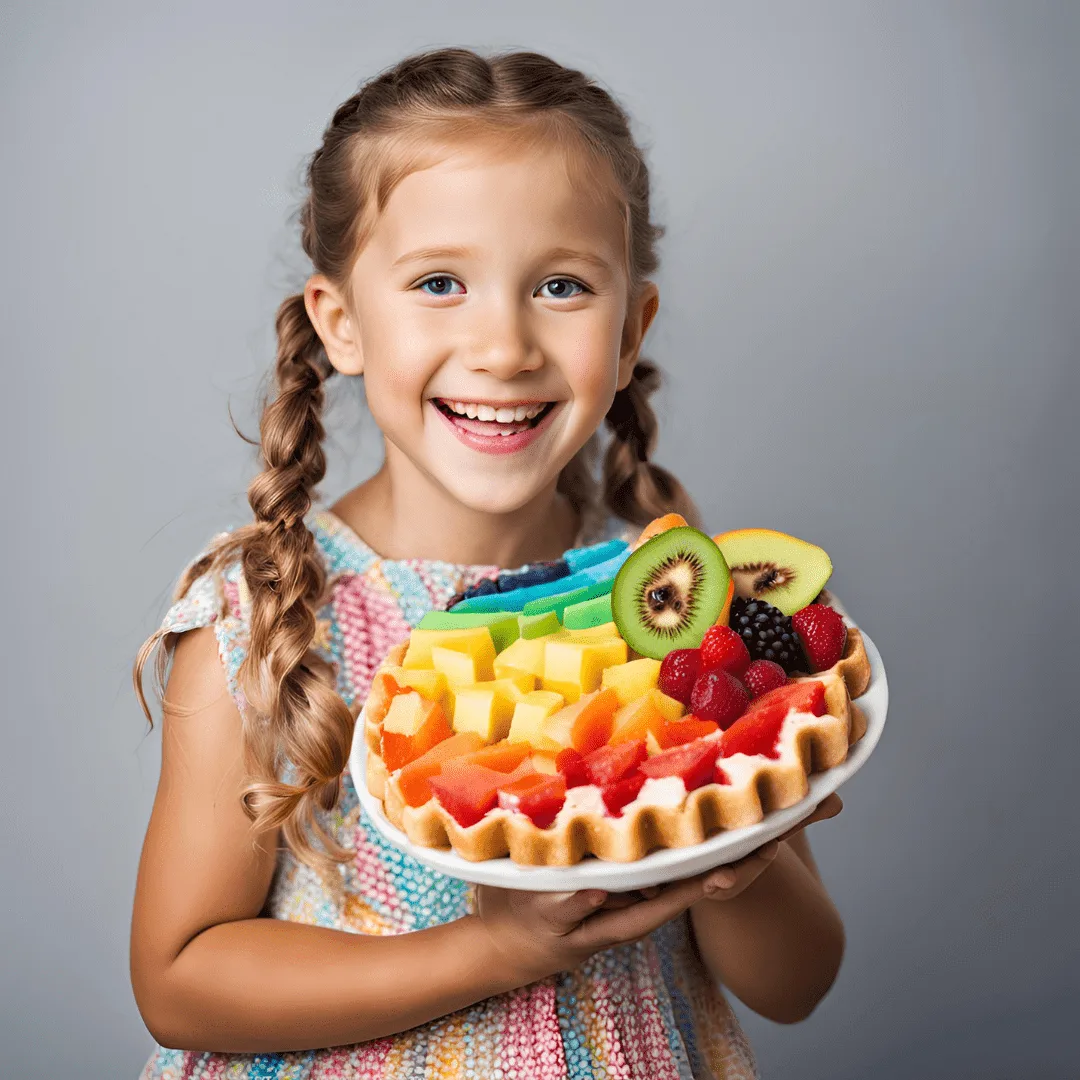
[(460, 668), (474, 641), (594, 633), (573, 668), (530, 713), (670, 709), (524, 655), (513, 689), (483, 710), (633, 680), (430, 684)]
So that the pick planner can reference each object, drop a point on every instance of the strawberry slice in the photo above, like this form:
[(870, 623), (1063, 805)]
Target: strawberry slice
[(571, 766), (610, 763), (618, 794), (469, 791), (692, 762), (757, 731), (540, 797), (677, 732)]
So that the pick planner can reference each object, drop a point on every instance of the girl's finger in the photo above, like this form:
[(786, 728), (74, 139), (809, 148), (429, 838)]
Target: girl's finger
[(829, 807), (608, 928)]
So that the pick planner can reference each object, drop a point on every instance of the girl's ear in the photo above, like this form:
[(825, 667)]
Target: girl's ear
[(336, 328), (641, 314)]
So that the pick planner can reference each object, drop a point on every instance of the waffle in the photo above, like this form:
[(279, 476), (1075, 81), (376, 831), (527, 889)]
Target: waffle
[(664, 815)]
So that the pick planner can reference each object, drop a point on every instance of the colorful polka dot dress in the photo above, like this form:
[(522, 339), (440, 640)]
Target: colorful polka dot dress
[(647, 1011)]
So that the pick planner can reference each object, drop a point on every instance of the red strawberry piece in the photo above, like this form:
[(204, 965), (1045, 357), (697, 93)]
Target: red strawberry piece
[(764, 675), (684, 730), (618, 794), (823, 635), (719, 776), (678, 671), (469, 791), (758, 731), (539, 796), (723, 648), (571, 764), (614, 761), (692, 761), (720, 697)]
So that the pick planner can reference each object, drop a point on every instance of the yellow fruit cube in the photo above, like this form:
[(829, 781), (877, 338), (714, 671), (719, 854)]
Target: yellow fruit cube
[(573, 668), (670, 709), (530, 713), (406, 714), (594, 633), (633, 680), (512, 689), (524, 655), (483, 710), (460, 668), (544, 763), (474, 641), (430, 684)]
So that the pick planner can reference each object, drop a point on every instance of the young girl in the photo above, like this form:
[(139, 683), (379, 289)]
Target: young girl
[(481, 239)]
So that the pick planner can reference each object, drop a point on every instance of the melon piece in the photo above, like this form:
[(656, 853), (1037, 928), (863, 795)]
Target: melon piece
[(603, 632), (621, 792), (668, 706), (659, 525), (502, 625), (772, 566), (677, 732), (584, 725), (539, 796), (482, 709), (467, 791), (607, 764), (413, 778), (531, 712), (473, 641), (635, 720), (503, 756), (572, 767), (413, 725), (525, 655), (632, 680), (543, 762), (693, 762), (573, 668)]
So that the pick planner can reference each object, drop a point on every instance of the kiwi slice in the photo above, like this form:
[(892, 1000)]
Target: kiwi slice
[(669, 592), (772, 566)]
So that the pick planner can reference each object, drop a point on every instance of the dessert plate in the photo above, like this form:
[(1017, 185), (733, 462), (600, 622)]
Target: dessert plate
[(658, 867)]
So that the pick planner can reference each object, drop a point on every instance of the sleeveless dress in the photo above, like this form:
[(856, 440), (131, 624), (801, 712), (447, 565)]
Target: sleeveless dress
[(646, 1011)]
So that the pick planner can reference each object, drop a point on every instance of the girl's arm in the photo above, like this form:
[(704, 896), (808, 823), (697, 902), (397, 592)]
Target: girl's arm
[(777, 945), (208, 973)]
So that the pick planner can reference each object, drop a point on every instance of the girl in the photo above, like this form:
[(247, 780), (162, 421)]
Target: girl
[(482, 247)]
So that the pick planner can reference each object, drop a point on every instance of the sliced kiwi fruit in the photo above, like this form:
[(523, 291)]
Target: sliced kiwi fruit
[(669, 592), (772, 566)]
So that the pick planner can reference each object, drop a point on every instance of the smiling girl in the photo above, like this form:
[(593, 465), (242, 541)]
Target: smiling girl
[(481, 242)]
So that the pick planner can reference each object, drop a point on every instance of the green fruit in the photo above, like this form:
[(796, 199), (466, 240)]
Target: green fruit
[(772, 566), (502, 624), (669, 592), (588, 613), (561, 601), (534, 626)]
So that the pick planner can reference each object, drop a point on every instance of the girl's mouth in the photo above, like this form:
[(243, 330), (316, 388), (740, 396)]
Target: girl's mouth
[(495, 429)]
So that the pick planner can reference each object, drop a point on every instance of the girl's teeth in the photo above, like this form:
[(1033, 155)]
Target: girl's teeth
[(485, 412), (505, 415)]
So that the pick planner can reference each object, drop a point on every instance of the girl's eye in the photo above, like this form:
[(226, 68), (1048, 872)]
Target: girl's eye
[(441, 285)]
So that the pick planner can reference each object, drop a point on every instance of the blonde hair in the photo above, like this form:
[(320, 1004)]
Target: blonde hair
[(400, 121)]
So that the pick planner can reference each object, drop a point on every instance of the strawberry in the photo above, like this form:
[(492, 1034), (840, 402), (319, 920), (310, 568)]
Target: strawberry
[(723, 648), (762, 676), (823, 635), (720, 697), (678, 670), (571, 764)]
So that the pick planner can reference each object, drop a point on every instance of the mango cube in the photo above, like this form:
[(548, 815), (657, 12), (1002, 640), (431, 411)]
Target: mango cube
[(524, 655), (429, 684), (460, 668), (633, 680), (474, 641), (585, 725), (573, 668), (530, 713), (637, 720), (413, 725), (483, 710), (669, 708), (513, 689), (603, 632)]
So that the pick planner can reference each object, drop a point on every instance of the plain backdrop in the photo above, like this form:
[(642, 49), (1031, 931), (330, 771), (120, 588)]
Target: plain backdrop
[(870, 318)]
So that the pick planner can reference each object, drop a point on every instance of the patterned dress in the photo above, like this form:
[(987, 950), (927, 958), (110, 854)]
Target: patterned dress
[(646, 1011)]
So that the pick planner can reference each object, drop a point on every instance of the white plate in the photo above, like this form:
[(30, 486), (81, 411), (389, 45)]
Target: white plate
[(666, 864)]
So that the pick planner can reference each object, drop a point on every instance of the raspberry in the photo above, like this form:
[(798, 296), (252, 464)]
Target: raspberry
[(762, 676), (678, 671), (719, 697), (723, 648), (823, 635)]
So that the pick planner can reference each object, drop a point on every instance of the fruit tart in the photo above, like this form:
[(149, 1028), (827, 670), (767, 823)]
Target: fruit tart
[(624, 698)]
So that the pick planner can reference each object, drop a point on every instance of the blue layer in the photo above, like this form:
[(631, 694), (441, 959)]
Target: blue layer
[(582, 557), (518, 598)]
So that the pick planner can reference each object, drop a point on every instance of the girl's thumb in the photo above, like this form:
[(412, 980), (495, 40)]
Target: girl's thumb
[(575, 906)]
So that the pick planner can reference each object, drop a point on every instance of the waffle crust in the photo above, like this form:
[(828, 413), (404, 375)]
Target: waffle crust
[(758, 785)]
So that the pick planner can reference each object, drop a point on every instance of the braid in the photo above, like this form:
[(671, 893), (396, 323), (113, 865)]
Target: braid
[(634, 488)]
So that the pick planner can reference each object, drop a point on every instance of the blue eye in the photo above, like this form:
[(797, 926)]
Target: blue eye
[(443, 281), (440, 279), (564, 282)]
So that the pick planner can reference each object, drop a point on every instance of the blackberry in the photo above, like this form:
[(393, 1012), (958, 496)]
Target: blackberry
[(768, 634)]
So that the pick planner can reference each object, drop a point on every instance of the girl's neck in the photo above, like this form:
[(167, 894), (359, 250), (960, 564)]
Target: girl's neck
[(408, 517)]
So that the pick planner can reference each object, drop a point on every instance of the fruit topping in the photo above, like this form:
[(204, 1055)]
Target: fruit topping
[(636, 719), (616, 795), (588, 613), (758, 731), (560, 601), (530, 714), (632, 680), (573, 668), (468, 791), (413, 778), (539, 796), (762, 676), (610, 763), (670, 591), (823, 635), (768, 633), (773, 566), (692, 762), (584, 725), (502, 625), (502, 756), (722, 648), (659, 525), (678, 673), (571, 765), (413, 725), (718, 696), (677, 732)]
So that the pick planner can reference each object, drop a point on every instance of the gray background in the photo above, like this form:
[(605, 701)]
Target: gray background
[(870, 321)]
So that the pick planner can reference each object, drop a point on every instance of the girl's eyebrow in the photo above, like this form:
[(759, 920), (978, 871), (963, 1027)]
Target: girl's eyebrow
[(588, 257)]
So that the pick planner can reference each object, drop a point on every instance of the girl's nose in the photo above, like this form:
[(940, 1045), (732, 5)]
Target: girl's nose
[(503, 344)]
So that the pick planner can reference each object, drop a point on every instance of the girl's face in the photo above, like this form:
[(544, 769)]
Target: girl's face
[(491, 322)]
